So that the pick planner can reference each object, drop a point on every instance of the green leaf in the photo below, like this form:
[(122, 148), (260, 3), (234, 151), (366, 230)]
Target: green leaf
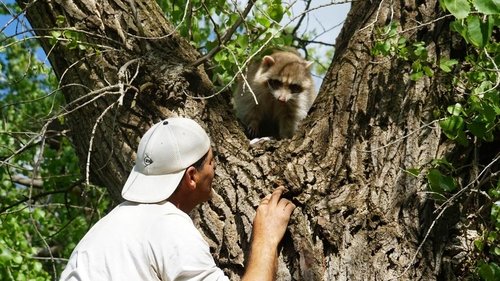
[(459, 8), (479, 32), (455, 110), (402, 42), (434, 178), (5, 255), (474, 33), (452, 125), (392, 29), (242, 41), (479, 243), (263, 21), (416, 65), (60, 20), (459, 27), (492, 236), (489, 271), (38, 266), (56, 34), (488, 113), (267, 36), (442, 162), (448, 184), (386, 47), (18, 259), (453, 128), (420, 50), (446, 64), (440, 183), (487, 28), (496, 251), (413, 171), (488, 7), (276, 12), (417, 75), (428, 71), (495, 212)]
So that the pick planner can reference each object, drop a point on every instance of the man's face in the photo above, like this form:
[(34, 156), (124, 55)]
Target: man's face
[(205, 176)]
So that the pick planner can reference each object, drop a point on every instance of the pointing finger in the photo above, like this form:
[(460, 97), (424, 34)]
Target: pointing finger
[(275, 196)]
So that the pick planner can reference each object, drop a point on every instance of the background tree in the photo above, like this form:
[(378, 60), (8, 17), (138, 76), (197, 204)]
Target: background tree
[(361, 167)]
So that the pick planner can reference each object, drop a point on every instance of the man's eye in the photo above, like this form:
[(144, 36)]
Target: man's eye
[(274, 84), (294, 88)]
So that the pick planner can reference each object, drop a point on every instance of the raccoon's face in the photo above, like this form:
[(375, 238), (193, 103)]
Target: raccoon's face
[(284, 91), (286, 75)]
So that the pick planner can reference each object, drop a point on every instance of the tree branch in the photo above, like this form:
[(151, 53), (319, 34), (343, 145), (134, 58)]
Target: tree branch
[(19, 179), (308, 4), (36, 197)]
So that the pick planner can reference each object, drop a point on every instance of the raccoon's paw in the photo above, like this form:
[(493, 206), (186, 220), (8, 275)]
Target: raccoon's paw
[(253, 129)]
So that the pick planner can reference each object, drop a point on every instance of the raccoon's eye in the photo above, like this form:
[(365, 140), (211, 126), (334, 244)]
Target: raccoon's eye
[(294, 88), (274, 84)]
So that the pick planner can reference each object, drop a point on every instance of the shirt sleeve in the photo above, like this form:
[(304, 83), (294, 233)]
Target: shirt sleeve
[(178, 251)]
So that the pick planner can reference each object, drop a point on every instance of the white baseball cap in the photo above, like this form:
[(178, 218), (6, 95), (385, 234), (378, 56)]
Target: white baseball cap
[(165, 152)]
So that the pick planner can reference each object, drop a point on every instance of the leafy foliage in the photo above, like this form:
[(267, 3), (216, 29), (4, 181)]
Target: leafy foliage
[(391, 43), (479, 114), (43, 213), (268, 24), (475, 117)]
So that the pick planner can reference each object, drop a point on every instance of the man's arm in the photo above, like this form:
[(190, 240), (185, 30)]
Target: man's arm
[(269, 226)]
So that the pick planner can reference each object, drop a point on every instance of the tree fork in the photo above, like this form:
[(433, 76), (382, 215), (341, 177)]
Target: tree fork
[(360, 215)]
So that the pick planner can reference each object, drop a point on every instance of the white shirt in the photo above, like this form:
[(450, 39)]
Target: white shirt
[(143, 242)]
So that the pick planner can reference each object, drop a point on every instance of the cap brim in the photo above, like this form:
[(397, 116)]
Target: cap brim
[(150, 188)]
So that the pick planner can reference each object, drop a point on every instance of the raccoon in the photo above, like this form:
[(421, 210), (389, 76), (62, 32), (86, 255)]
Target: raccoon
[(284, 89)]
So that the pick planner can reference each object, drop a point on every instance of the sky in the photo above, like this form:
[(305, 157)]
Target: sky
[(325, 16)]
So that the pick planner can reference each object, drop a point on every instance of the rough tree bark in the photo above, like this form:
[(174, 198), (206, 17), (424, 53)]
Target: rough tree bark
[(359, 215)]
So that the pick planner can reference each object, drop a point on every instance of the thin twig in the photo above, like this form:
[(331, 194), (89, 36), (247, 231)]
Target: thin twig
[(376, 17), (460, 192), (496, 70), (403, 137), (91, 142), (123, 79), (308, 4), (425, 23), (244, 77), (30, 182), (38, 196)]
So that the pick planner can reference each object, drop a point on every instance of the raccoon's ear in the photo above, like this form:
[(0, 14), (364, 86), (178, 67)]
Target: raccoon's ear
[(308, 64), (268, 61)]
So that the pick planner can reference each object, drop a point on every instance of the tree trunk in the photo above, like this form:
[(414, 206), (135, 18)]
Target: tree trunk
[(360, 216)]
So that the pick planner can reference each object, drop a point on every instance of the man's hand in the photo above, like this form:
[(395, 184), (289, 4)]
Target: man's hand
[(272, 218), (269, 226)]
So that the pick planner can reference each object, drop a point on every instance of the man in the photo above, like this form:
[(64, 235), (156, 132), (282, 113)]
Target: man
[(151, 237)]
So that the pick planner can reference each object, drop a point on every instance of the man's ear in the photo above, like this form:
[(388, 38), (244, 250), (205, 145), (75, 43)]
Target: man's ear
[(190, 177)]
